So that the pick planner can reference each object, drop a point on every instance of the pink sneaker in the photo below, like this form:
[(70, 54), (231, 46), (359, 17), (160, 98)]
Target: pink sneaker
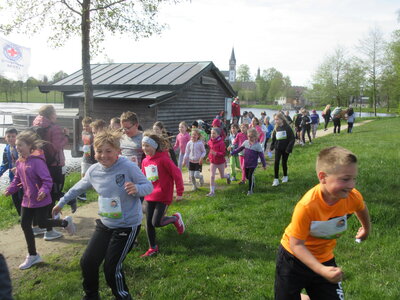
[(150, 252), (180, 226)]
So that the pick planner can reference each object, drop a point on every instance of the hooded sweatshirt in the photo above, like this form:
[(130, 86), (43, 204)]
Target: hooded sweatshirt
[(33, 174), (162, 172), (109, 183), (218, 146), (54, 135), (252, 152)]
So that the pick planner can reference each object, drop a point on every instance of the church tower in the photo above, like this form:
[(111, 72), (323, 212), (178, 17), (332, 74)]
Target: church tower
[(232, 67)]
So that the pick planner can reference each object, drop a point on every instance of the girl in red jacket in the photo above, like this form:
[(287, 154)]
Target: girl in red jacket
[(162, 172), (216, 157)]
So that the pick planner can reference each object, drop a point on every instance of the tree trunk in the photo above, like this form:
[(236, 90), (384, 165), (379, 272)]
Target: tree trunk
[(86, 70)]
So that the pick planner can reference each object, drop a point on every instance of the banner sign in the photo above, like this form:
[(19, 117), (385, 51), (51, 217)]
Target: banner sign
[(14, 58)]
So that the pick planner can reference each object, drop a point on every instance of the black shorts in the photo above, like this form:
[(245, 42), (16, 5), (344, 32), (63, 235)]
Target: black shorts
[(292, 276), (194, 167)]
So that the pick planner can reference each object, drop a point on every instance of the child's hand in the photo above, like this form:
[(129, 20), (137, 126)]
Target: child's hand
[(56, 210), (200, 161), (229, 148), (178, 198), (130, 188), (208, 160), (6, 193), (332, 274), (41, 196), (362, 234), (13, 170)]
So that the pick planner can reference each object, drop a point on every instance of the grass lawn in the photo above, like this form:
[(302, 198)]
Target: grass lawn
[(229, 248)]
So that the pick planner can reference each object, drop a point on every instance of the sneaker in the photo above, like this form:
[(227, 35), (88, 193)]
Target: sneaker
[(70, 228), (38, 230), (228, 179), (30, 260), (242, 182), (284, 179), (233, 178), (82, 197), (210, 194), (150, 252), (180, 226), (73, 204), (52, 235), (194, 188), (249, 193), (275, 182), (201, 180)]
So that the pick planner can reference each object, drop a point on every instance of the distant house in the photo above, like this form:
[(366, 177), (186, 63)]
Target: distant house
[(169, 92)]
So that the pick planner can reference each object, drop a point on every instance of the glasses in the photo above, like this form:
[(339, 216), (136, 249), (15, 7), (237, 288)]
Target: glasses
[(129, 128)]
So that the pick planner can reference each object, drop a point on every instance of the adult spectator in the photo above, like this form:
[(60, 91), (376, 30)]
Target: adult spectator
[(56, 139), (235, 111)]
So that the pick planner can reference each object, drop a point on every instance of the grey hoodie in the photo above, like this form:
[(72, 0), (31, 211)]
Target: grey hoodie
[(110, 183)]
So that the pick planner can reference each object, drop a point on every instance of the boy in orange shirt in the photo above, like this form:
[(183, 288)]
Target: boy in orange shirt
[(305, 258)]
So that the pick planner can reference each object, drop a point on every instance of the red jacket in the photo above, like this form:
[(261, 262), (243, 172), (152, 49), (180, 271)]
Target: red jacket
[(162, 172), (235, 109), (218, 146)]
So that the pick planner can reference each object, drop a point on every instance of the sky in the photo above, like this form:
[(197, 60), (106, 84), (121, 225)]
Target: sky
[(292, 36)]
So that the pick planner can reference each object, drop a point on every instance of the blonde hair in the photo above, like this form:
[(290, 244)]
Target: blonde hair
[(47, 111), (110, 137), (252, 131), (31, 138), (328, 106), (195, 130), (86, 121), (99, 125), (282, 117), (163, 142), (331, 159), (184, 124)]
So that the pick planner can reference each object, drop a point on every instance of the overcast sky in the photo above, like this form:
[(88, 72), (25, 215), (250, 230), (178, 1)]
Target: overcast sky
[(292, 36)]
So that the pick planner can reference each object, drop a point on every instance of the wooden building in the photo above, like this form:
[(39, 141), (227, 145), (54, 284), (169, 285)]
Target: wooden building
[(168, 92)]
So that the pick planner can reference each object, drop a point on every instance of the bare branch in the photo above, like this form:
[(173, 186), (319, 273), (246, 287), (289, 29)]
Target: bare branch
[(107, 6), (71, 8)]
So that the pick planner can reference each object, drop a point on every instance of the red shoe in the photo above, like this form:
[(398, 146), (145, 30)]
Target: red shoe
[(180, 226), (150, 252)]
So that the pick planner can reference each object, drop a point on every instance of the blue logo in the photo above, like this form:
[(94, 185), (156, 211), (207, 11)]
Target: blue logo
[(12, 52)]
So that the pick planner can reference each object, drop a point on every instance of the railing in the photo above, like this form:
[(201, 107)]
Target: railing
[(3, 122)]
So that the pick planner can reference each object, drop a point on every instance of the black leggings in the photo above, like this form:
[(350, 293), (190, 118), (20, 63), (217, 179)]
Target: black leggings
[(250, 178), (350, 127), (265, 145), (285, 157), (336, 125), (40, 214), (326, 118), (303, 133), (155, 217)]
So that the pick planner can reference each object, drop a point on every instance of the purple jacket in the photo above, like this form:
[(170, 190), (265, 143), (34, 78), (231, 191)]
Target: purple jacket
[(56, 136), (33, 174)]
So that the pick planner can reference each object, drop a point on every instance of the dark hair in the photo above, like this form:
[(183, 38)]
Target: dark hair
[(11, 130), (195, 123), (162, 141), (350, 111)]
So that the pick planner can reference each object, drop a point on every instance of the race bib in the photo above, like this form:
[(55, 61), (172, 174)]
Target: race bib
[(331, 229), (110, 207), (281, 135), (151, 173)]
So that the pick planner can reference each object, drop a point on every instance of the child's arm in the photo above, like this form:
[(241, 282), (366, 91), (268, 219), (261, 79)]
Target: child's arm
[(5, 165), (363, 217), (332, 274), (139, 180), (262, 158), (237, 150), (177, 142), (177, 175), (14, 185)]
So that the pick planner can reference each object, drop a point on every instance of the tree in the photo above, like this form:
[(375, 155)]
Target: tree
[(243, 73), (59, 75), (91, 19)]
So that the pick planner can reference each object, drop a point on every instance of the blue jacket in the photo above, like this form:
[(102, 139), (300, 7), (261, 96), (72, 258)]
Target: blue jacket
[(8, 162)]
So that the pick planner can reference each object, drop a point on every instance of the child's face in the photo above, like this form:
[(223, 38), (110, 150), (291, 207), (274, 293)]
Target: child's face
[(130, 129), (106, 155), (87, 128), (157, 129), (278, 121), (214, 134), (234, 130), (147, 149), (182, 128), (11, 139), (252, 137), (243, 129), (195, 136), (338, 185), (115, 125), (23, 148)]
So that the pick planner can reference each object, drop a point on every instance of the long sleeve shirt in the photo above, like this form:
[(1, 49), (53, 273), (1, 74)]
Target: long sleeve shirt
[(181, 141), (251, 154), (194, 151)]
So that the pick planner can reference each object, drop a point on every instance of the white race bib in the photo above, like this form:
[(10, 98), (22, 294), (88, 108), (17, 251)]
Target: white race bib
[(110, 207), (331, 229), (281, 135), (151, 172)]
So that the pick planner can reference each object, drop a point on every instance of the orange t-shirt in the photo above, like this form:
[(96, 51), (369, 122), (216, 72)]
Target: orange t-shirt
[(319, 224)]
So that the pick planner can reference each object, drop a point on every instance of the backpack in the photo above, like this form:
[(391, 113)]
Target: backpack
[(336, 112), (50, 153)]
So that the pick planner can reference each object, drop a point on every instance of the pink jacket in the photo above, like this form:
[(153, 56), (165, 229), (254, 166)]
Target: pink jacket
[(181, 142), (218, 146)]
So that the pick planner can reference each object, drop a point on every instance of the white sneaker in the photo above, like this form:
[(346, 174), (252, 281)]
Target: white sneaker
[(71, 229), (30, 260), (285, 179), (275, 182), (38, 230), (52, 235)]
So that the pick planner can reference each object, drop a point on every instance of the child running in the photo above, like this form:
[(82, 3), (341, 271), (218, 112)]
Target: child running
[(216, 157), (234, 159), (32, 173), (305, 258), (181, 141), (194, 153), (238, 141), (119, 183), (162, 172), (252, 152)]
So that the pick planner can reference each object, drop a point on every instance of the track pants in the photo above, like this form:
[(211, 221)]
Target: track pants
[(111, 246)]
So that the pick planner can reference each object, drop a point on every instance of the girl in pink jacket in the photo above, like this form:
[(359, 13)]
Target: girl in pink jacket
[(216, 157), (32, 173), (182, 139)]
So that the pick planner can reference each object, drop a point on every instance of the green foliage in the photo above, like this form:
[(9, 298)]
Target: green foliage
[(243, 73), (229, 248)]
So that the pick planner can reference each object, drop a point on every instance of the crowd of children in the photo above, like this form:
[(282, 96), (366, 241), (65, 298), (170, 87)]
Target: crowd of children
[(134, 171)]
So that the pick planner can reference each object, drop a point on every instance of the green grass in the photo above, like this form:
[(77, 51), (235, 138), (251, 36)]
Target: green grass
[(228, 251), (33, 96)]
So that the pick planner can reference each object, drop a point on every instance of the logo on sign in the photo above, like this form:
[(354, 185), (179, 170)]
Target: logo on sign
[(12, 52)]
